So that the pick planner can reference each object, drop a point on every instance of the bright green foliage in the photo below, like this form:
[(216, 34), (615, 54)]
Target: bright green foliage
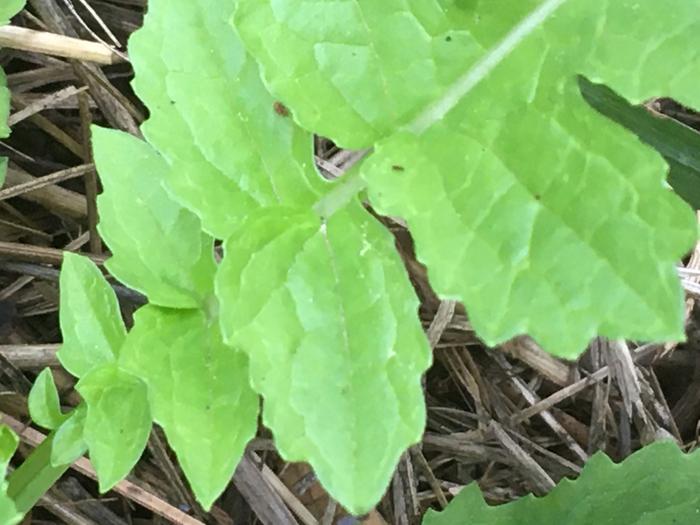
[(169, 259), (351, 357), (68, 443), (8, 445), (118, 421), (91, 324), (657, 485), (212, 118), (330, 327), (44, 406), (524, 202), (199, 393), (8, 9)]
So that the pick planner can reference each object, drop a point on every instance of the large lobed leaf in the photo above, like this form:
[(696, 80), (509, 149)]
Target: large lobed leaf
[(538, 213), (656, 485), (199, 393), (328, 320)]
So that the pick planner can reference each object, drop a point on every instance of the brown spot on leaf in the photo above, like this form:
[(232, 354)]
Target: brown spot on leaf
[(280, 109), (396, 167)]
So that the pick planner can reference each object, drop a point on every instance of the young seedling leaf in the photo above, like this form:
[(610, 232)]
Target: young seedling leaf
[(199, 392), (655, 485), (118, 421), (91, 323), (8, 511), (44, 405), (8, 445), (68, 443), (328, 319), (157, 245), (213, 119)]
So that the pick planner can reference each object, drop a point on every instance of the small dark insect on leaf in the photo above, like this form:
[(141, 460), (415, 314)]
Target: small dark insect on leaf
[(396, 167), (280, 109)]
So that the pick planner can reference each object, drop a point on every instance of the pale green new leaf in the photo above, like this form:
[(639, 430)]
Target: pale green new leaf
[(8, 9), (656, 485), (68, 443), (91, 324), (118, 421), (157, 245), (328, 319), (212, 118), (44, 405), (199, 393), (8, 445)]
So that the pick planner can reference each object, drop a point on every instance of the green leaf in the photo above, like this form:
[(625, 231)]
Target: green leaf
[(492, 145), (158, 247), (8, 511), (8, 445), (44, 405), (199, 392), (655, 485), (91, 324), (562, 225), (117, 424), (8, 9), (212, 118), (679, 144), (328, 319), (68, 443)]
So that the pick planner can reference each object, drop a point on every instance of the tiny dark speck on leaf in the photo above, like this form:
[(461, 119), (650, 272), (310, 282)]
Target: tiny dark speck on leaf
[(396, 167), (448, 38), (280, 109), (537, 196)]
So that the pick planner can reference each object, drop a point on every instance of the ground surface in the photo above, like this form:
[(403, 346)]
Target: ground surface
[(511, 418)]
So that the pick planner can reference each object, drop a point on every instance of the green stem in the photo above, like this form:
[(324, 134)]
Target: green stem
[(34, 477)]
